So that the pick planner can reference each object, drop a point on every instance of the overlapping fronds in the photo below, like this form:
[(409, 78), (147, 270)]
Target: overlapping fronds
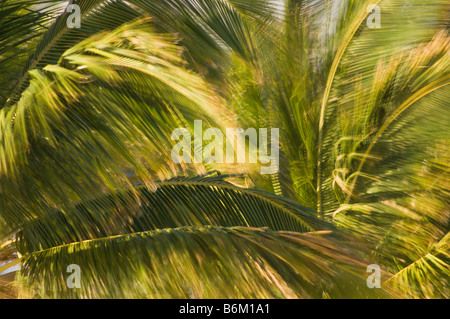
[(388, 128), (148, 255), (363, 115), (402, 196), (199, 262), (22, 24), (206, 28), (109, 106), (177, 202), (340, 90)]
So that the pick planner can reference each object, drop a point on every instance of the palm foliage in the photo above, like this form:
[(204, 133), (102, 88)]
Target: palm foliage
[(86, 177), (213, 260)]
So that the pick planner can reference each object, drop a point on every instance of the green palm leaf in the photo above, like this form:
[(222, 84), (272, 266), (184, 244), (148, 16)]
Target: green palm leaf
[(198, 262), (86, 174), (177, 202)]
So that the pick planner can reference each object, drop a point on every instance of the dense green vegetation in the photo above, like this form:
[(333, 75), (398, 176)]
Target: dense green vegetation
[(87, 178)]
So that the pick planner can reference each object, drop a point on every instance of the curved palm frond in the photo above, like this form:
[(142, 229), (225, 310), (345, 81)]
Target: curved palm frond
[(22, 24), (58, 37), (402, 197), (109, 105), (199, 262), (204, 28), (177, 202), (375, 83)]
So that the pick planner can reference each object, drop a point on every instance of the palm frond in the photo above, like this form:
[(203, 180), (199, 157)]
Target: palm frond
[(176, 202), (59, 37), (402, 196), (198, 262)]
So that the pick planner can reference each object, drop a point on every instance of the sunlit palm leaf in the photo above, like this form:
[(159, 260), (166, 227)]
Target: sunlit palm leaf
[(110, 104)]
